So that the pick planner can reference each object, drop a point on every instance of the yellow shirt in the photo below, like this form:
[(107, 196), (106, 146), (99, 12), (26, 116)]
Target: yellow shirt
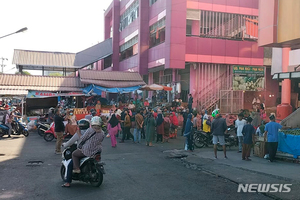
[(206, 128)]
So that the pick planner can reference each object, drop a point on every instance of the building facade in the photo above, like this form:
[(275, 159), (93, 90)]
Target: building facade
[(191, 45), (279, 29)]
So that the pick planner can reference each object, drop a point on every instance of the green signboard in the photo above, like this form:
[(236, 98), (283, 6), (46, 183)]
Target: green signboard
[(248, 78)]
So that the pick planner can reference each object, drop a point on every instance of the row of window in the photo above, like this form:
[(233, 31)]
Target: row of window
[(129, 48), (157, 33), (129, 15), (221, 25)]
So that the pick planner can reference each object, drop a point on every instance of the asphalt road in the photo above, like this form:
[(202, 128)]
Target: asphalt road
[(133, 171)]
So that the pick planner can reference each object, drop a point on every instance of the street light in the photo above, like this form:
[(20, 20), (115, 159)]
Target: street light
[(19, 31)]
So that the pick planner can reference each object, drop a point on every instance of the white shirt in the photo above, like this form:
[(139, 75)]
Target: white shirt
[(240, 125)]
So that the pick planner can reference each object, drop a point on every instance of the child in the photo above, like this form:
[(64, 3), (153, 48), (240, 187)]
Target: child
[(248, 133)]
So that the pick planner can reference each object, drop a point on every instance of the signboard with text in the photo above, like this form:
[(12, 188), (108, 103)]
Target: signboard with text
[(248, 78), (38, 94)]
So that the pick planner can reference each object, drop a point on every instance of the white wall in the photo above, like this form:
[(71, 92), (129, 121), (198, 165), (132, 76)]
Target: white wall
[(276, 60)]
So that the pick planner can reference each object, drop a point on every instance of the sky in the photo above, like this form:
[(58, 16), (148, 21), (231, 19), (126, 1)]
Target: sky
[(53, 25)]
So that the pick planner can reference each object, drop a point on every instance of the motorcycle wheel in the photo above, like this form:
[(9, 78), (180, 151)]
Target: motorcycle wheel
[(40, 132), (199, 142), (25, 133), (62, 173), (96, 181), (48, 137)]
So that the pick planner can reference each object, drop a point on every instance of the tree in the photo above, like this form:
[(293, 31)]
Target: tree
[(55, 74), (23, 73)]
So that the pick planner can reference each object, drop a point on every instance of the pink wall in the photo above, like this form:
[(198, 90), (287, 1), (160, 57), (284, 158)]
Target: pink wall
[(209, 50), (267, 27), (247, 7), (156, 8), (157, 52), (115, 41), (175, 34), (129, 63)]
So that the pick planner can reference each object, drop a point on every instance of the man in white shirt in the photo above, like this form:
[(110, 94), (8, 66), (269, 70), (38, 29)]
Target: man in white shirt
[(239, 124)]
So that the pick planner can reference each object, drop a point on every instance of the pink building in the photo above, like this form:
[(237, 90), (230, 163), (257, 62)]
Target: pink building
[(192, 44)]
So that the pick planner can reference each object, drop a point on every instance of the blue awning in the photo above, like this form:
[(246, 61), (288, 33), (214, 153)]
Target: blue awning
[(98, 89)]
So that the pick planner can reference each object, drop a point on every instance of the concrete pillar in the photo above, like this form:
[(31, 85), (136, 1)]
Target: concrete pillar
[(286, 84)]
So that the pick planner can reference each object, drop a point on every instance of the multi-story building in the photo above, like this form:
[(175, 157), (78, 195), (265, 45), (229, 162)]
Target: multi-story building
[(194, 44), (279, 28)]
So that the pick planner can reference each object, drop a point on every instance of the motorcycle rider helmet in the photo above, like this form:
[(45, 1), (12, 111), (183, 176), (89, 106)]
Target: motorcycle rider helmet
[(215, 113), (83, 124), (93, 112), (96, 121)]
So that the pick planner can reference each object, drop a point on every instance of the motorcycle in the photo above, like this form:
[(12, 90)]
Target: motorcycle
[(3, 130), (202, 139), (19, 127), (230, 139), (50, 133), (42, 128), (91, 168)]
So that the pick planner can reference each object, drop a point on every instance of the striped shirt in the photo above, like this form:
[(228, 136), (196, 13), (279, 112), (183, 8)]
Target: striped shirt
[(92, 145)]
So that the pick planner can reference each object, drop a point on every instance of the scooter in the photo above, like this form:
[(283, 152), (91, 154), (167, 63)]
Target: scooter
[(202, 139), (50, 133), (42, 128), (3, 130), (19, 127), (91, 168)]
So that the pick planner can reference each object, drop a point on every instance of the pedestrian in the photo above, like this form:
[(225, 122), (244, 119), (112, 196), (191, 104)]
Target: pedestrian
[(184, 115), (159, 128), (139, 121), (271, 137), (248, 132), (59, 130), (150, 129), (190, 103), (239, 124), (207, 125), (188, 133), (174, 125), (167, 125), (195, 120), (127, 126), (218, 128), (261, 129), (199, 121), (8, 120), (113, 129)]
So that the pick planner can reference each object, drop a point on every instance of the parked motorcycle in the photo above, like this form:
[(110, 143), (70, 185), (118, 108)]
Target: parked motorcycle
[(50, 134), (42, 128), (3, 130), (91, 168), (202, 139), (19, 127)]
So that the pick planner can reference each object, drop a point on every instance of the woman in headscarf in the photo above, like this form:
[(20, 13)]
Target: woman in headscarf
[(188, 133), (174, 125), (150, 129), (113, 129), (167, 124), (159, 127)]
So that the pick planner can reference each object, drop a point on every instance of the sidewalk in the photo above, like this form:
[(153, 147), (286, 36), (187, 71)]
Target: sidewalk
[(236, 170)]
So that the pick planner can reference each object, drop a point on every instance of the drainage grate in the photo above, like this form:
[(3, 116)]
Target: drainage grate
[(34, 163), (2, 154)]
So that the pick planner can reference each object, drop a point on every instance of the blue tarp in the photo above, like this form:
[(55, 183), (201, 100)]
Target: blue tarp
[(98, 89), (289, 144)]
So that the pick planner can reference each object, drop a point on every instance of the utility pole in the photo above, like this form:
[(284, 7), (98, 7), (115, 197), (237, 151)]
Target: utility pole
[(2, 65)]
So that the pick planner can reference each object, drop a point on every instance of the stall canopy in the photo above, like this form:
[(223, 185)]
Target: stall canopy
[(11, 84), (98, 89), (113, 79), (154, 87)]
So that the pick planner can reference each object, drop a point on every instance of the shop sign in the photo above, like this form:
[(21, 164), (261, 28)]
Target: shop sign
[(248, 78)]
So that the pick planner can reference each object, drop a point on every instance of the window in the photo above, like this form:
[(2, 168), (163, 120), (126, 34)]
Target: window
[(152, 2), (129, 15), (157, 33), (129, 48), (222, 25), (107, 62)]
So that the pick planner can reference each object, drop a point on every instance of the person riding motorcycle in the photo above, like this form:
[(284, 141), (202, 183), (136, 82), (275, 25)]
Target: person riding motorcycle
[(89, 145)]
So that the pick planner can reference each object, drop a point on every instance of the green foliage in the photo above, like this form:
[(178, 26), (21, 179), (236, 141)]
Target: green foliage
[(55, 74)]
